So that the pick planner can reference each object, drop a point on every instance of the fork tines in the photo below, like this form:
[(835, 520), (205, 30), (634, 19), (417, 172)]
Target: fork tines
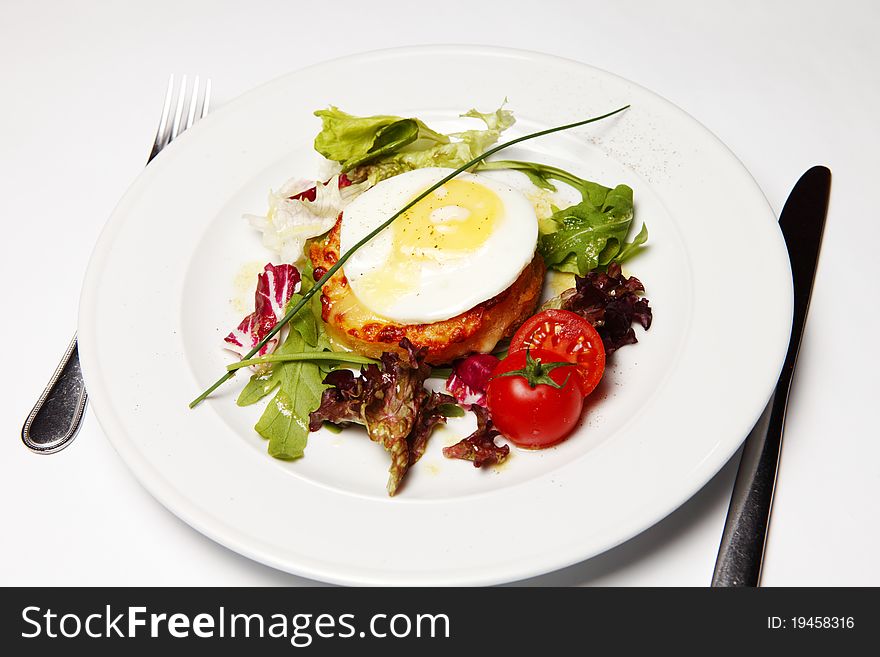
[(190, 105)]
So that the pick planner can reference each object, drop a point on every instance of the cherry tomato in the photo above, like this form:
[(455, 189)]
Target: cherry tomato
[(536, 415), (570, 337)]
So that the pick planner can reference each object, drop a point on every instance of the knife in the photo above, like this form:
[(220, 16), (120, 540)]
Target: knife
[(741, 554)]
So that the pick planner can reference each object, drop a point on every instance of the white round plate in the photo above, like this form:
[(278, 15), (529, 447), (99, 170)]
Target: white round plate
[(174, 269)]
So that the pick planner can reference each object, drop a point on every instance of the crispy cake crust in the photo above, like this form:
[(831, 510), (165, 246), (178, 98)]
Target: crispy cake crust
[(479, 329)]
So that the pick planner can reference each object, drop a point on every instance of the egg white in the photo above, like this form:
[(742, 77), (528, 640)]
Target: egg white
[(452, 282)]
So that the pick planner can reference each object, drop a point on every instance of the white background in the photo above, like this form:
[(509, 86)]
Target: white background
[(785, 84)]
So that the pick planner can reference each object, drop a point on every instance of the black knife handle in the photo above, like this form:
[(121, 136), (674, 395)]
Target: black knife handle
[(741, 555)]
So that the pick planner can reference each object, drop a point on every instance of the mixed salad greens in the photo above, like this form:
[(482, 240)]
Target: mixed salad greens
[(284, 423), (314, 386), (377, 147), (391, 401)]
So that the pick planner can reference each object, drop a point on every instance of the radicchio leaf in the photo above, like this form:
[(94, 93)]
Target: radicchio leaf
[(470, 378), (275, 286), (480, 446), (611, 303), (391, 401)]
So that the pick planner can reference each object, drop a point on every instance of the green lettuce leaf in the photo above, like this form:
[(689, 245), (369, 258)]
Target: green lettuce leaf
[(377, 147), (355, 140), (468, 145)]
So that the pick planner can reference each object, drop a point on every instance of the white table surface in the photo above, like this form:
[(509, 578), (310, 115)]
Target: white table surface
[(785, 84)]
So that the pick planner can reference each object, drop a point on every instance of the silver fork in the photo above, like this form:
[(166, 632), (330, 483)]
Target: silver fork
[(55, 419)]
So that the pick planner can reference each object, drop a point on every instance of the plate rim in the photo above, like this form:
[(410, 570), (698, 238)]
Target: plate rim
[(218, 529)]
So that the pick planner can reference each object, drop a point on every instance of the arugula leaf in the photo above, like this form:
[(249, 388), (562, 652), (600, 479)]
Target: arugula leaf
[(631, 248), (589, 234), (450, 410), (542, 174), (285, 422), (260, 385)]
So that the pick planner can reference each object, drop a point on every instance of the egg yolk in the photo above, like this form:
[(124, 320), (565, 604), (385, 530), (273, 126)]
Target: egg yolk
[(452, 222)]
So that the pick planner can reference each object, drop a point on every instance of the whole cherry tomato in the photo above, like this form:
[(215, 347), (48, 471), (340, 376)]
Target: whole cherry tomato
[(534, 398)]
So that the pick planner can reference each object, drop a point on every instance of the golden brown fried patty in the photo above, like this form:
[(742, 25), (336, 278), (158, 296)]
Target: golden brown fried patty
[(352, 326)]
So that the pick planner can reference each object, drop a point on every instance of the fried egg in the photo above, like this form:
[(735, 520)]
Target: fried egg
[(464, 243)]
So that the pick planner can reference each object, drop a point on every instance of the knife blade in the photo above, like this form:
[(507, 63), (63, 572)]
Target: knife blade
[(741, 554)]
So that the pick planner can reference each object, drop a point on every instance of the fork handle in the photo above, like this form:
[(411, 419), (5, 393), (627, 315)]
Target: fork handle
[(57, 415)]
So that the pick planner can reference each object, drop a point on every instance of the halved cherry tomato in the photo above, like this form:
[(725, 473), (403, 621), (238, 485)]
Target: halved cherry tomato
[(570, 337), (536, 415)]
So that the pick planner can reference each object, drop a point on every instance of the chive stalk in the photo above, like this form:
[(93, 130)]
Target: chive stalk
[(308, 356)]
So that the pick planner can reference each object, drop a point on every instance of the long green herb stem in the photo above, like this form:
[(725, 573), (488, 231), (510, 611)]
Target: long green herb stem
[(308, 356), (440, 373), (345, 256)]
